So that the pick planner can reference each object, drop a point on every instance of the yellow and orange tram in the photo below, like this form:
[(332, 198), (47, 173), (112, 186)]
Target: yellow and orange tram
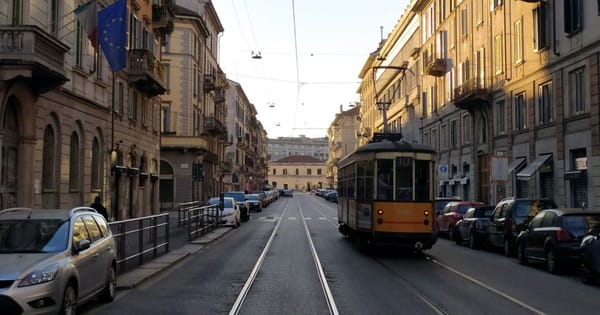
[(386, 193)]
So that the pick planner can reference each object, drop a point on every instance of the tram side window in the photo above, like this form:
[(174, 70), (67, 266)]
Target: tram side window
[(422, 184), (350, 181), (364, 180), (384, 179), (404, 178), (341, 187)]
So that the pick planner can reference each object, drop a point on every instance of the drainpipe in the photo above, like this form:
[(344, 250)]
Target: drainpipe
[(555, 44)]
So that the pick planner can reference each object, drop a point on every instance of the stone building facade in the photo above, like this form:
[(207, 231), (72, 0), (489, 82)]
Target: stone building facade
[(343, 137), (298, 172), (68, 133)]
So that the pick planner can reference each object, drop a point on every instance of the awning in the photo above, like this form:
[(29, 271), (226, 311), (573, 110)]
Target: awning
[(464, 180), (527, 172), (517, 163), (443, 182), (574, 175), (452, 182)]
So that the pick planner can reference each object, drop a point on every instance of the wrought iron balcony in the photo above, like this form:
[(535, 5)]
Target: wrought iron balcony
[(209, 83), (193, 144), (28, 51), (163, 17), (219, 96), (226, 166), (146, 72), (213, 126), (471, 94), (438, 67)]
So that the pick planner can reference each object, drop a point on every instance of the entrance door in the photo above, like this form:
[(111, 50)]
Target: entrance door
[(484, 178)]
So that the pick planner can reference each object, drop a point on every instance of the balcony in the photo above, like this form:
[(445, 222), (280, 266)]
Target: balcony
[(226, 166), (163, 17), (29, 52), (219, 96), (146, 72), (241, 143), (209, 83), (189, 144), (438, 67), (213, 126), (471, 95)]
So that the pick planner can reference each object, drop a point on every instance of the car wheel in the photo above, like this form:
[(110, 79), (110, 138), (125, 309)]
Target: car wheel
[(69, 302), (521, 254), (457, 238), (109, 291), (451, 233), (587, 275), (552, 264), (472, 241)]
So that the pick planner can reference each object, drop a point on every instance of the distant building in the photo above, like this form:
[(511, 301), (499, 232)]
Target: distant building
[(299, 172), (344, 137), (286, 146)]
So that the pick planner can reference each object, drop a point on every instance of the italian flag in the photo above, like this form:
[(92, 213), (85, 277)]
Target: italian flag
[(87, 15)]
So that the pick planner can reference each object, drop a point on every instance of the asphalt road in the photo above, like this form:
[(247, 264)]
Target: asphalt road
[(290, 259)]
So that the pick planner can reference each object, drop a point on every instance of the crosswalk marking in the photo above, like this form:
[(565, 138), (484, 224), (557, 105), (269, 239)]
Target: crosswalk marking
[(291, 218), (308, 218)]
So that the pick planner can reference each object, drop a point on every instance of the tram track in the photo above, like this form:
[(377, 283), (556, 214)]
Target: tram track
[(238, 304)]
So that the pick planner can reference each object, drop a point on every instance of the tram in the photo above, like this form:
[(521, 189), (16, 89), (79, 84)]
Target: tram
[(386, 194)]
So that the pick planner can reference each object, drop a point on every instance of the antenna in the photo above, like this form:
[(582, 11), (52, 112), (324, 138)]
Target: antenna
[(381, 32)]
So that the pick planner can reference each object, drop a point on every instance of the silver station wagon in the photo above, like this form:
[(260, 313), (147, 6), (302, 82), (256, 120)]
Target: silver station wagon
[(53, 260)]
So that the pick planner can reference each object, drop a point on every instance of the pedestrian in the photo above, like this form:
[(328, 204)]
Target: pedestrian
[(97, 205)]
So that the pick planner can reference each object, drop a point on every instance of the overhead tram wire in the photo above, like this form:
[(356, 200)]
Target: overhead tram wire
[(297, 65)]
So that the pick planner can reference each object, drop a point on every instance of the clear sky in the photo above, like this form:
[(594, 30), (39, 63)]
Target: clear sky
[(306, 72)]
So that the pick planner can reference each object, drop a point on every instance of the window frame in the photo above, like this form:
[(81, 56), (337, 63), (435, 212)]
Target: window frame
[(520, 110)]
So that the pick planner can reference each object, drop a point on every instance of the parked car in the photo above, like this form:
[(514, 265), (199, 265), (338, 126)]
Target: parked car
[(240, 200), (230, 214), (510, 217), (332, 196), (590, 254), (288, 193), (472, 228), (441, 202), (254, 202), (453, 211), (51, 261), (554, 236)]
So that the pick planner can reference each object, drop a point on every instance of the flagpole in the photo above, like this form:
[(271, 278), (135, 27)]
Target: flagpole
[(112, 114)]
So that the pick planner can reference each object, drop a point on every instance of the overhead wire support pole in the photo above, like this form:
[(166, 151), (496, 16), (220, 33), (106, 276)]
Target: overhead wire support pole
[(381, 105)]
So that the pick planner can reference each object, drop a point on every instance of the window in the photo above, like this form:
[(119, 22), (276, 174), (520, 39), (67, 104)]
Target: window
[(434, 139), (318, 171), (501, 117), (573, 16), (54, 17), (145, 105), (285, 171), (443, 136), (546, 109), (74, 163), (453, 134), (494, 4), (121, 98), (520, 112), (97, 168), (478, 8), (451, 33), (519, 41), (466, 129), (540, 27), (166, 117), (424, 106), (274, 171), (132, 108), (449, 84), (441, 6), (49, 155), (17, 12), (79, 45), (297, 172), (464, 22), (480, 66), (498, 54), (577, 92)]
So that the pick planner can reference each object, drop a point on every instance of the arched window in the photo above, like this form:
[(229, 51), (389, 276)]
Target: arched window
[(74, 163), (97, 166), (48, 167)]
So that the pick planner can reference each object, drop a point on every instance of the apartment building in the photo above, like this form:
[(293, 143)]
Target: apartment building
[(193, 134), (246, 152), (297, 172), (282, 147), (507, 93), (73, 129), (343, 137)]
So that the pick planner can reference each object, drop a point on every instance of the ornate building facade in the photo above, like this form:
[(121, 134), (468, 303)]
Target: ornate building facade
[(343, 137)]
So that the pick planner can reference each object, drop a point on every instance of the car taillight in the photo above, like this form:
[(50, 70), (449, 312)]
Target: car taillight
[(563, 235)]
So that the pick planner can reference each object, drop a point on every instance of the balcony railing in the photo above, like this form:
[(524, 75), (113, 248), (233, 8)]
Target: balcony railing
[(183, 142), (28, 51), (213, 126), (471, 94), (146, 72), (219, 96), (438, 67), (209, 82), (163, 16)]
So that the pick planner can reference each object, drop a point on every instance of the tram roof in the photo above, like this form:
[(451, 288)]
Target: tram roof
[(393, 143)]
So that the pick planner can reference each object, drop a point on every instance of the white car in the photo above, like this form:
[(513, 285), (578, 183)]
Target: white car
[(230, 214)]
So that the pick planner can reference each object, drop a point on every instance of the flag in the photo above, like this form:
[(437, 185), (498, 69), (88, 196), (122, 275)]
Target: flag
[(112, 28), (87, 15)]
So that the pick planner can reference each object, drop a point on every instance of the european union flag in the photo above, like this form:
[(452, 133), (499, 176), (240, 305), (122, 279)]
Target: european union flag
[(112, 29)]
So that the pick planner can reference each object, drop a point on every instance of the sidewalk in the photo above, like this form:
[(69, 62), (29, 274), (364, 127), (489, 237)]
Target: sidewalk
[(180, 248)]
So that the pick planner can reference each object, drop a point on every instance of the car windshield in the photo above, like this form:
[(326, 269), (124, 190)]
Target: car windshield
[(227, 202), (33, 236), (236, 196), (252, 197), (579, 224), (529, 208), (463, 208)]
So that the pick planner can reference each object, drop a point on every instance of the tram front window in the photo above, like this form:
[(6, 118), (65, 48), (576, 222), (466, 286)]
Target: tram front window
[(404, 179), (384, 179)]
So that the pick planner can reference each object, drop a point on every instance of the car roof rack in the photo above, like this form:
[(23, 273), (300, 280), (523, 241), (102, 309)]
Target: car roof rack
[(79, 209)]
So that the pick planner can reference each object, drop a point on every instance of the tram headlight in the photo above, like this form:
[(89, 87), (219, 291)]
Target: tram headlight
[(426, 213), (380, 211)]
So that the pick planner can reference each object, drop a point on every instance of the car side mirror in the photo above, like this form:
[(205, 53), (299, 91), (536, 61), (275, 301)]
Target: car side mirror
[(82, 245)]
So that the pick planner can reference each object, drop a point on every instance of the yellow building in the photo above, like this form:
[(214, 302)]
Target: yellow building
[(298, 172)]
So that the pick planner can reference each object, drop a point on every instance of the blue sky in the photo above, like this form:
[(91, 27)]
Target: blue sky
[(333, 40)]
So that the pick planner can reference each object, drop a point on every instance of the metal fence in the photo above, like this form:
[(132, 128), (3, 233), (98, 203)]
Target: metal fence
[(198, 218), (139, 239)]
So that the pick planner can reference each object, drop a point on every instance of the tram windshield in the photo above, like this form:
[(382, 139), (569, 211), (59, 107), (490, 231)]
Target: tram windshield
[(410, 181)]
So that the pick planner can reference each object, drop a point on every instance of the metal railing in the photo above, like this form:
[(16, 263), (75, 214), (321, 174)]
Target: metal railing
[(198, 218), (138, 237)]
